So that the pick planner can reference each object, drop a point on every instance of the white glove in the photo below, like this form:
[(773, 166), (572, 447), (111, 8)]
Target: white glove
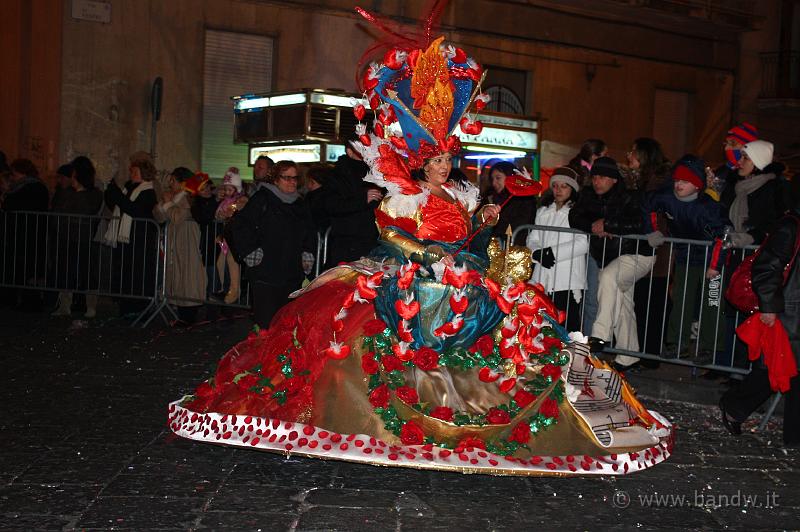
[(656, 238), (174, 201)]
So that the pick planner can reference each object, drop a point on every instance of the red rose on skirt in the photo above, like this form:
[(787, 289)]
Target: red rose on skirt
[(247, 382), (368, 364), (373, 327), (412, 434), (391, 363), (521, 433), (426, 359), (484, 345), (205, 390), (549, 408), (549, 342), (496, 416), (551, 370), (407, 394), (379, 397), (471, 441), (523, 398), (442, 412)]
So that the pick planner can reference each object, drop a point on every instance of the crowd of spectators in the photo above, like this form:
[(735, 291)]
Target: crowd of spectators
[(259, 236)]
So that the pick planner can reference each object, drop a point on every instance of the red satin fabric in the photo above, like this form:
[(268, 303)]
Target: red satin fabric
[(312, 317), (443, 221), (773, 342)]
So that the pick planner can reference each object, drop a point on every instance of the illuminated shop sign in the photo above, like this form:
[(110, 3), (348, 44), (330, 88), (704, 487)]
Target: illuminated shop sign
[(299, 153), (506, 138)]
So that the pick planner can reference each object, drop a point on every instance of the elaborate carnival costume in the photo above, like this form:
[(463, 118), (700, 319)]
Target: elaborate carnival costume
[(400, 359)]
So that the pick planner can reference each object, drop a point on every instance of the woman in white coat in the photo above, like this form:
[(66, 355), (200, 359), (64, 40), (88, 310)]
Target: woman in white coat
[(560, 255)]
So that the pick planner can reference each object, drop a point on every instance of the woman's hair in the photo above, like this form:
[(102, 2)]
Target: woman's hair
[(182, 173), (591, 147), (654, 167), (83, 171), (144, 163), (548, 198), (279, 167), (319, 173), (24, 167), (505, 167)]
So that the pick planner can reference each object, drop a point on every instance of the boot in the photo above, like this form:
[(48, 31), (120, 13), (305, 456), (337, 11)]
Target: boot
[(233, 291), (91, 306), (64, 305)]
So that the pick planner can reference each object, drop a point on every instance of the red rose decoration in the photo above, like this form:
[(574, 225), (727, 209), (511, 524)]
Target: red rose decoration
[(368, 364), (391, 363), (426, 359), (373, 327), (551, 370), (523, 398), (521, 433), (205, 390), (247, 382), (549, 408), (407, 394), (495, 416), (412, 434), (379, 397), (442, 412), (484, 345), (471, 441), (548, 342)]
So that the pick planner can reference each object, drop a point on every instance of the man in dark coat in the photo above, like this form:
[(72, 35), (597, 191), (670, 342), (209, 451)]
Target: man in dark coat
[(270, 235), (606, 210), (776, 301), (25, 253), (350, 203)]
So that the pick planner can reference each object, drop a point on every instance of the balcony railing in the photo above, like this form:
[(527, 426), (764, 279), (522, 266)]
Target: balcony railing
[(780, 75)]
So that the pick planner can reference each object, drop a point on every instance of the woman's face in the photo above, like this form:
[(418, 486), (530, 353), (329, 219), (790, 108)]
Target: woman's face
[(287, 180), (561, 192), (498, 181), (174, 184), (437, 169), (135, 174), (633, 159), (746, 166), (228, 190)]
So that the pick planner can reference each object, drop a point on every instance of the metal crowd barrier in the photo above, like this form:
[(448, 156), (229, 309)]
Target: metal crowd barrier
[(678, 317), (46, 251)]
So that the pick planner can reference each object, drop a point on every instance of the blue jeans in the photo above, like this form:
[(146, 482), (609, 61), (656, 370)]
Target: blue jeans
[(590, 295)]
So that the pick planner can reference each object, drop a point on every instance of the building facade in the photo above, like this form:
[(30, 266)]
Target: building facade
[(680, 71)]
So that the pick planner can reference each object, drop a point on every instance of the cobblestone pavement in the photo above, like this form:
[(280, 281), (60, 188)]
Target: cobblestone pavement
[(85, 445)]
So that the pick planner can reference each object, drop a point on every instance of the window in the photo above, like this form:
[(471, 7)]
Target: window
[(508, 89), (234, 64), (671, 125)]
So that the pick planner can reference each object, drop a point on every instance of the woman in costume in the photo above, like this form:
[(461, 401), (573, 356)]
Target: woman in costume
[(434, 352)]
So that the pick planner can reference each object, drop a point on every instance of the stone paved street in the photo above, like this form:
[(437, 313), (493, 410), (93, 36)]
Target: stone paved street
[(85, 446)]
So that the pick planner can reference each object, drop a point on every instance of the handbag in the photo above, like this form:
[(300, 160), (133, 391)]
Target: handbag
[(740, 291)]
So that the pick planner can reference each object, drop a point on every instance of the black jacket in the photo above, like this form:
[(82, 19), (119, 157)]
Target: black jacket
[(203, 212), (765, 206), (352, 220), (282, 230), (518, 211), (621, 210), (769, 266)]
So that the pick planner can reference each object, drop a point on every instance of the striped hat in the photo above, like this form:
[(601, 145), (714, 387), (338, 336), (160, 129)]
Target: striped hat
[(743, 133)]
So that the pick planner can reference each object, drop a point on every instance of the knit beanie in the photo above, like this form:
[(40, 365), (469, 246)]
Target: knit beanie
[(692, 169), (565, 174), (743, 133), (760, 152), (605, 166), (233, 178)]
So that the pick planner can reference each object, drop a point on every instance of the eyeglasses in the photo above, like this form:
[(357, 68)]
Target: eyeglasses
[(288, 177)]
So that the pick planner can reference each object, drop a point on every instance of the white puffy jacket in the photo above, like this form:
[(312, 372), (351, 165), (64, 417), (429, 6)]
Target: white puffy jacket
[(570, 250)]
